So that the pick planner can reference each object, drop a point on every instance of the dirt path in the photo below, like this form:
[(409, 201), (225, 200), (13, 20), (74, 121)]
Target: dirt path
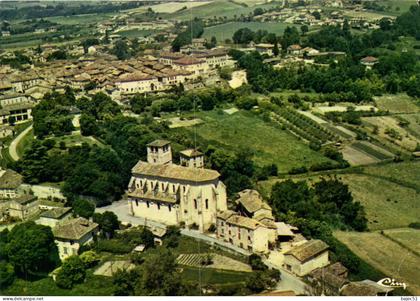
[(12, 148)]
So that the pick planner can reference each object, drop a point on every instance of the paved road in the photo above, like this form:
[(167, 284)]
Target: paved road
[(12, 148), (288, 280)]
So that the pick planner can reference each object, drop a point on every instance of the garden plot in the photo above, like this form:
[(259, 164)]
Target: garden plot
[(109, 268), (178, 122), (219, 262), (313, 117), (356, 157), (340, 131), (389, 128)]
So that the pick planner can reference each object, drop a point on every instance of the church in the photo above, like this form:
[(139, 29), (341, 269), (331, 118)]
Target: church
[(186, 194)]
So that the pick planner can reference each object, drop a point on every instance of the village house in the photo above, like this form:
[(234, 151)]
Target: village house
[(167, 58), (364, 288), (22, 83), (23, 207), (54, 216), (330, 279), (16, 113), (304, 258), (216, 58), (12, 98), (196, 66), (172, 194), (264, 48), (72, 234), (10, 181), (244, 232), (369, 61), (294, 50), (137, 83), (251, 204)]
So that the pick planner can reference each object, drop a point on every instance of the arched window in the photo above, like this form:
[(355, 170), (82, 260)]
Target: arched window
[(207, 204), (195, 204)]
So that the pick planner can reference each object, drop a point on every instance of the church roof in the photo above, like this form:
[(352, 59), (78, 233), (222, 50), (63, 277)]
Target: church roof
[(176, 172)]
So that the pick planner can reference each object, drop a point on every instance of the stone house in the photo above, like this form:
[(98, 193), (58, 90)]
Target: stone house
[(330, 279), (294, 49), (172, 194), (23, 207), (304, 258), (244, 232), (264, 48), (10, 181), (137, 83), (191, 158), (54, 216), (72, 234)]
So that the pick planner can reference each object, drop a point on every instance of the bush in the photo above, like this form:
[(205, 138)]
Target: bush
[(7, 275), (322, 166), (115, 246), (72, 271), (415, 225), (298, 170), (256, 263), (89, 258)]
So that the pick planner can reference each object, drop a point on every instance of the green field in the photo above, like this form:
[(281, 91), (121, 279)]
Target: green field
[(408, 237), (226, 31), (80, 19), (246, 130), (134, 33), (220, 8), (25, 143), (391, 5)]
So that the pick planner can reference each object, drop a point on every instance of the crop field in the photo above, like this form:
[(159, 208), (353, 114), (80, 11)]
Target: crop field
[(400, 103), (213, 276), (392, 6), (220, 8), (413, 126), (357, 157), (392, 259), (246, 130), (80, 19), (218, 262), (372, 150), (389, 128), (226, 31), (134, 33)]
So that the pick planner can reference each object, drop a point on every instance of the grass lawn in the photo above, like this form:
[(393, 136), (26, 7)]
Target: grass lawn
[(387, 256), (400, 103), (391, 6), (213, 276), (246, 130), (93, 286), (226, 31), (219, 8), (75, 139)]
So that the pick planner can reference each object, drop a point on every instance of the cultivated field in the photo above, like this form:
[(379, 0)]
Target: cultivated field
[(400, 103), (219, 262), (245, 130), (171, 7), (226, 31), (357, 157), (408, 237), (413, 121), (387, 256)]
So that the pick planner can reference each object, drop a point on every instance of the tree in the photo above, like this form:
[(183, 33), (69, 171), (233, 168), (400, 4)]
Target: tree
[(89, 258), (304, 29), (88, 126), (243, 36), (73, 271), (83, 208), (108, 222), (276, 50), (258, 11), (31, 248), (121, 50)]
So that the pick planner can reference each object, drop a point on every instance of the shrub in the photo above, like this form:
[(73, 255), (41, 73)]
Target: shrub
[(415, 225), (89, 258), (298, 170), (7, 274)]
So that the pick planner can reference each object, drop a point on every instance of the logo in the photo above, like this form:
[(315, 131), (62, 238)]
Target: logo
[(390, 282)]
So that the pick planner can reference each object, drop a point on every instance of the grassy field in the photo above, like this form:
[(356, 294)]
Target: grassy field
[(387, 256), (246, 130), (400, 103), (134, 33), (226, 31), (80, 19), (220, 8), (408, 237), (25, 143), (391, 6), (413, 126)]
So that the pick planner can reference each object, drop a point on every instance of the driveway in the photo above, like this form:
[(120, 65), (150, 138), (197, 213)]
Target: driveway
[(12, 148)]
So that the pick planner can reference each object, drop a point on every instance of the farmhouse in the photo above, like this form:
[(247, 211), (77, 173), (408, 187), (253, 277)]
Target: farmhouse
[(10, 181), (329, 279), (72, 234), (294, 49), (303, 259), (369, 61), (173, 194), (244, 232), (196, 66)]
